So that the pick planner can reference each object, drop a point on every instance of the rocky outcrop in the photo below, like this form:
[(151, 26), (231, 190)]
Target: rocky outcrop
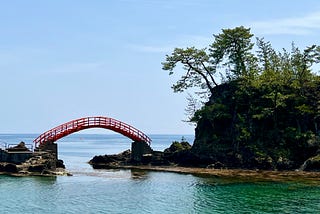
[(177, 154), (178, 147), (241, 127), (8, 168), (20, 147), (111, 161), (40, 163)]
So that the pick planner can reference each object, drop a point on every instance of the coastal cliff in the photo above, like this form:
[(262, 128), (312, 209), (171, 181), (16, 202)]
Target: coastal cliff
[(242, 127)]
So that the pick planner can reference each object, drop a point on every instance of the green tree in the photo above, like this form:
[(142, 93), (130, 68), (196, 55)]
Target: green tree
[(232, 49), (230, 53), (193, 106), (199, 71)]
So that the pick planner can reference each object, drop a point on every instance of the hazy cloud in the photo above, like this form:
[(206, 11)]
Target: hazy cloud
[(182, 42), (151, 49), (295, 26)]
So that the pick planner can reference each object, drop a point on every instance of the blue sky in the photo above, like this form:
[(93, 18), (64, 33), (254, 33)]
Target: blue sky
[(65, 59)]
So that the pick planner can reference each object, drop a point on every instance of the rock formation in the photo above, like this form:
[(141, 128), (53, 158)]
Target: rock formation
[(20, 147), (40, 163), (176, 154)]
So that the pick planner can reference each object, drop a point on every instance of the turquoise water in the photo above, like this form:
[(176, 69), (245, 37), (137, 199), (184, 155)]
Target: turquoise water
[(126, 191)]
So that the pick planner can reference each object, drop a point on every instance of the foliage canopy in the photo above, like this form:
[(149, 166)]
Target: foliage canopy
[(266, 104)]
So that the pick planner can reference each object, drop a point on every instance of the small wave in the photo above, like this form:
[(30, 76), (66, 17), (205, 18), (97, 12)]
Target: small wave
[(120, 174)]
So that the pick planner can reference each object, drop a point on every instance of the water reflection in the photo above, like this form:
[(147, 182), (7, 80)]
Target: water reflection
[(137, 174), (49, 180), (223, 195)]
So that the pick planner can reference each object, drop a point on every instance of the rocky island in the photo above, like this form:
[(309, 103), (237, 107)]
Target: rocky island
[(262, 114)]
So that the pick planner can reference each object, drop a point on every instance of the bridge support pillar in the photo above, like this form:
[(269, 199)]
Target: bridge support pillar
[(139, 149), (49, 146)]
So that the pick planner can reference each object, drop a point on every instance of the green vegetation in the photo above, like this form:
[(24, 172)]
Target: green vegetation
[(263, 111), (178, 146)]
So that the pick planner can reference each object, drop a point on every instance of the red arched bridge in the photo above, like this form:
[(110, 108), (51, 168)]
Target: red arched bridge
[(91, 122)]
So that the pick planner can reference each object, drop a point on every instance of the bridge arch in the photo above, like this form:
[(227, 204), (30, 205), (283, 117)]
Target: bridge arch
[(91, 122)]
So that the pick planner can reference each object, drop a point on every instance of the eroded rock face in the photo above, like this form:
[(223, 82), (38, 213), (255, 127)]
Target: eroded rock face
[(41, 163), (110, 161), (182, 154), (237, 128), (177, 154), (8, 167)]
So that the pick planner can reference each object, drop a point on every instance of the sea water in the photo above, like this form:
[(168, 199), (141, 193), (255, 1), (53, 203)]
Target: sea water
[(131, 191)]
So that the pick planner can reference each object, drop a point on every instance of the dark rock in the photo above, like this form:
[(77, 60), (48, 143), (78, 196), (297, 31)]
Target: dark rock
[(159, 159), (60, 164), (37, 168), (20, 147), (110, 161), (178, 147), (40, 163), (312, 164), (10, 168), (284, 164), (265, 163), (100, 159), (217, 165), (147, 158), (44, 163)]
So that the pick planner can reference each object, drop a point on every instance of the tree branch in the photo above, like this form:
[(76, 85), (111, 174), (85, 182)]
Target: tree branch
[(203, 76), (210, 75)]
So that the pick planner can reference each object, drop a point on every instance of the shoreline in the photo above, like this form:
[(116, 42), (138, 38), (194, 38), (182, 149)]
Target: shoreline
[(236, 174), (55, 173)]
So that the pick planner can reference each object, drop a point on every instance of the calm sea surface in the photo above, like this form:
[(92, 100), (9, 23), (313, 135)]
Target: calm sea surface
[(128, 191)]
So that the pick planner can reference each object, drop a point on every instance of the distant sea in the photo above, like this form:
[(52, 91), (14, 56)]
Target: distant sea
[(130, 191)]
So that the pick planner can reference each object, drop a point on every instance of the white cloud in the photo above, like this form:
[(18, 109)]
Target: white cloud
[(303, 25)]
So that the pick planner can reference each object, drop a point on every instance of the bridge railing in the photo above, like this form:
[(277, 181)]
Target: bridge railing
[(91, 122), (3, 145)]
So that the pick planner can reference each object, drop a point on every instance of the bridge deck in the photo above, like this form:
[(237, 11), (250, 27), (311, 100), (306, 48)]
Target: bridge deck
[(91, 122)]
